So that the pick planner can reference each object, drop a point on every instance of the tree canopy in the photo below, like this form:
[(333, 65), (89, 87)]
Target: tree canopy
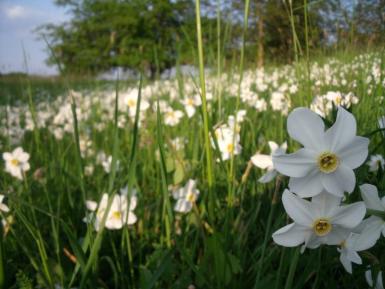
[(154, 35)]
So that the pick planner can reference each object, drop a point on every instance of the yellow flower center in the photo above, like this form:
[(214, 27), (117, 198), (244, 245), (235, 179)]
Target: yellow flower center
[(190, 101), (191, 197), (328, 162), (230, 147), (117, 215), (170, 114), (322, 227), (131, 103), (15, 162)]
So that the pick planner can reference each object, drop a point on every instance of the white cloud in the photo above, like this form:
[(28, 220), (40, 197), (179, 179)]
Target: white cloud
[(16, 11)]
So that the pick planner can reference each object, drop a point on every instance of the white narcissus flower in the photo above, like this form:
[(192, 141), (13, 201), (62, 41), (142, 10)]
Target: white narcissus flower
[(131, 100), (178, 143), (185, 197), (120, 213), (89, 170), (228, 148), (375, 162), (16, 162), (190, 104), (293, 88), (369, 278), (321, 221), (241, 115), (7, 223), (260, 105), (369, 194), (106, 162), (327, 160), (3, 207), (265, 162), (85, 145), (363, 237), (228, 142), (172, 117), (228, 137)]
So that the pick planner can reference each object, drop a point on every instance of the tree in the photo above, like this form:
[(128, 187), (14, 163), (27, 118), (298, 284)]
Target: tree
[(153, 35), (270, 30), (369, 21), (136, 34)]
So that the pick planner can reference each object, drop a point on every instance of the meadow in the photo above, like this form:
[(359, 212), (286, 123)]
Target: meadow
[(172, 184)]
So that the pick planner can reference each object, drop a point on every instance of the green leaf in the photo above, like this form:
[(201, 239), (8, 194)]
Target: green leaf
[(170, 164), (179, 173), (145, 277), (234, 263)]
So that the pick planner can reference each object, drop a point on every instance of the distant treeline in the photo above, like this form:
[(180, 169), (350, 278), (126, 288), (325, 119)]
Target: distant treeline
[(154, 35)]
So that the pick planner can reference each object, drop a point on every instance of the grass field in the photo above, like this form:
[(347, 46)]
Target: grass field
[(187, 207)]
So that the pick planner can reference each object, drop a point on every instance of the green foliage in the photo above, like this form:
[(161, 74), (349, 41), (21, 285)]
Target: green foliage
[(153, 35), (137, 34), (23, 281)]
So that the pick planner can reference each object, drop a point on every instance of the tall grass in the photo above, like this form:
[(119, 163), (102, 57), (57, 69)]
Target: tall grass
[(206, 120), (224, 242)]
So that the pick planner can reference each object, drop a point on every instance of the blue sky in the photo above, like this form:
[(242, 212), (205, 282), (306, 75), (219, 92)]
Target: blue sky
[(18, 18)]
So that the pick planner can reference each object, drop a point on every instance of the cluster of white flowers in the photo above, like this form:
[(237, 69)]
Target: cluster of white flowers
[(322, 170), (227, 136), (321, 173), (279, 102), (120, 212), (259, 90), (323, 104)]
